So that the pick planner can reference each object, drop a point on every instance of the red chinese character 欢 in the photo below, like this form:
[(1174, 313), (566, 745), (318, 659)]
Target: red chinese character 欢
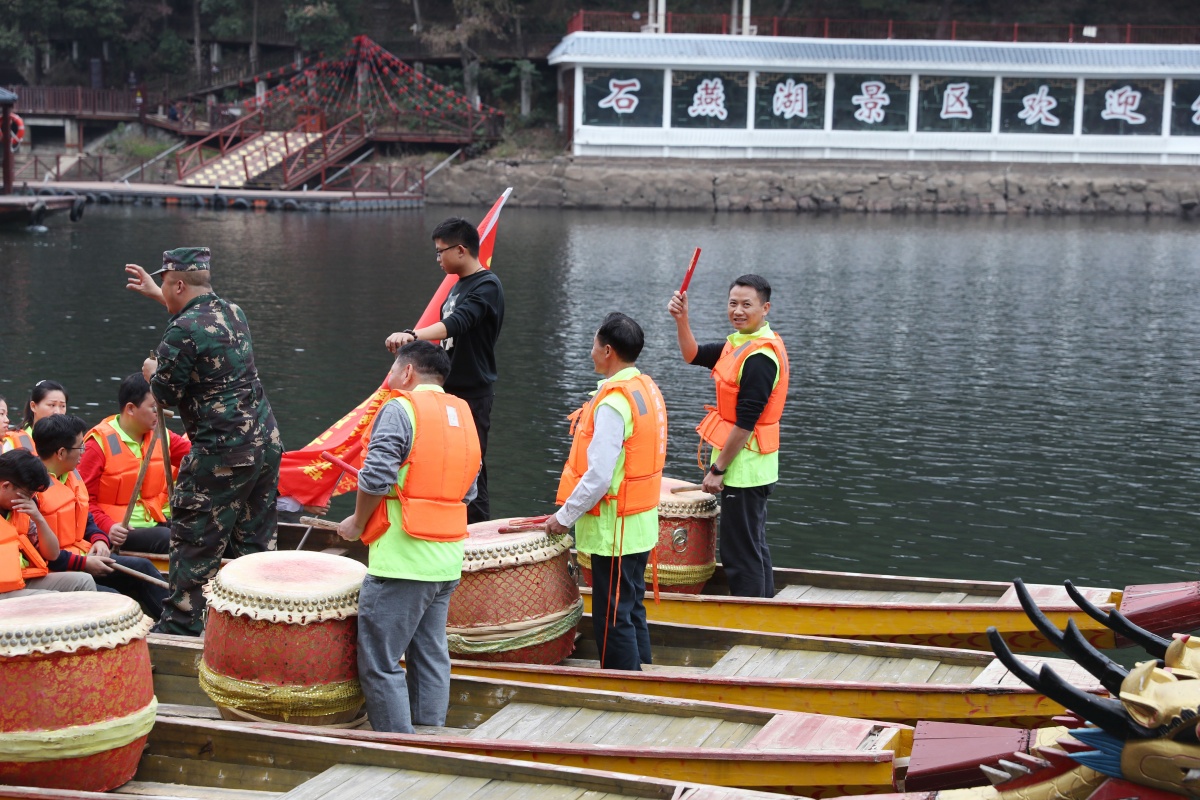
[(871, 102), (1122, 104), (954, 101), (791, 99), (622, 99), (709, 100), (1037, 108)]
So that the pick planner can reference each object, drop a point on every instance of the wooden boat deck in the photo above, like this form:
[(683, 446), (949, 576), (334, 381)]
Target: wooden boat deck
[(811, 594)]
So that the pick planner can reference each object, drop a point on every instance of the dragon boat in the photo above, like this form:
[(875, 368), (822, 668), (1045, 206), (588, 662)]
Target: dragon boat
[(667, 739), (901, 610)]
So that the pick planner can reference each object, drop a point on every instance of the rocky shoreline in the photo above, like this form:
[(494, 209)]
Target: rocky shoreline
[(817, 186)]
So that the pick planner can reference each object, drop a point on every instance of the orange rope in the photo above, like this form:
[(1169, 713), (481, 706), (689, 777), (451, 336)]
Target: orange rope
[(613, 601)]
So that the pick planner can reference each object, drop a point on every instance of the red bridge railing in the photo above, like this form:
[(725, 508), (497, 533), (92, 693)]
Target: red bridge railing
[(217, 144), (75, 101)]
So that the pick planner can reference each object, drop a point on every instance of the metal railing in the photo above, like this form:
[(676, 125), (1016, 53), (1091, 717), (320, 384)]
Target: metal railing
[(831, 28), (75, 101), (376, 179), (313, 155), (197, 156), (99, 168)]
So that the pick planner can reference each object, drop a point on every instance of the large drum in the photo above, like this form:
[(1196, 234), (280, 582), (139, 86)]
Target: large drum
[(281, 638), (687, 541), (76, 692), (517, 600)]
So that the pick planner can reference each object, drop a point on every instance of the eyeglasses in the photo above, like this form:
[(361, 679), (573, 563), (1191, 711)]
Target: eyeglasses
[(81, 448), (438, 251)]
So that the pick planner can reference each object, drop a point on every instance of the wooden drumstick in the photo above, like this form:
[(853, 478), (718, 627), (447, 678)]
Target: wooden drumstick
[(317, 522), (691, 487), (133, 573)]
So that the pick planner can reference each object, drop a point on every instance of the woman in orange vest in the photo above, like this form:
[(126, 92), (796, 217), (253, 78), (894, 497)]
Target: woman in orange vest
[(609, 490), (11, 438), (750, 369), (46, 399), (26, 541)]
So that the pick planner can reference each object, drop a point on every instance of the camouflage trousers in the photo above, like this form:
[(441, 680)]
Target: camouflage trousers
[(217, 511)]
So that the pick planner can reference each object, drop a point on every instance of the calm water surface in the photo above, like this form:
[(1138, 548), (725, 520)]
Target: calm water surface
[(971, 397)]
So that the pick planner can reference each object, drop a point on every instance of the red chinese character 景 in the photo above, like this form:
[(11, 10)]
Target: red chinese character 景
[(622, 98), (871, 102)]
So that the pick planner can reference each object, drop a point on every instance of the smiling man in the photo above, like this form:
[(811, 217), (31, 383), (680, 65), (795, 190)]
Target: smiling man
[(751, 372)]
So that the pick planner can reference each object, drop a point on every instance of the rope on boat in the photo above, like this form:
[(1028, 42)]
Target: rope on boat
[(286, 701), (668, 574), (499, 638)]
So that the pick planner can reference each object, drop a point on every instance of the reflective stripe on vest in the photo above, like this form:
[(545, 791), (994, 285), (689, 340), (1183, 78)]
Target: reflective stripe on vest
[(442, 464), (65, 507), (645, 449), (18, 439), (717, 424), (10, 556), (121, 468)]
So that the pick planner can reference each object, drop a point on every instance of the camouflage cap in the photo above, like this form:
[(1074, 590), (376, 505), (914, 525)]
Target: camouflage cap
[(185, 259)]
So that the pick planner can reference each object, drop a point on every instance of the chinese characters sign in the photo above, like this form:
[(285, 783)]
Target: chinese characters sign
[(871, 102), (709, 99), (623, 97), (789, 101), (1037, 105), (955, 104), (1123, 107), (1185, 108)]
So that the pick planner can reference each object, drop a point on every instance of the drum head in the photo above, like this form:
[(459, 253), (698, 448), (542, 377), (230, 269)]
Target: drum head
[(689, 503), (63, 622), (291, 586), (506, 542)]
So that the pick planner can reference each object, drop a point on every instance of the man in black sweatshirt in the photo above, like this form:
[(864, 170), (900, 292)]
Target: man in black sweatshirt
[(471, 320)]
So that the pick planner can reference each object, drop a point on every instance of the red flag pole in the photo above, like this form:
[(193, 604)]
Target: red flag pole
[(687, 279)]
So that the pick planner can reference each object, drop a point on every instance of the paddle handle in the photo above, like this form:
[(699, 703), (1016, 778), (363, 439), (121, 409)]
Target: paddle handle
[(337, 462), (133, 573), (687, 278), (164, 439)]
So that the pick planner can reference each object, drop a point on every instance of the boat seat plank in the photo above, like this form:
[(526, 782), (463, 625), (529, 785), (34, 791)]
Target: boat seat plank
[(805, 663), (515, 721), (349, 781), (918, 670), (888, 670), (831, 667), (729, 735), (460, 788), (597, 732), (795, 591), (768, 663), (648, 733), (981, 599), (138, 788), (954, 673), (627, 729), (190, 712), (860, 668), (583, 719), (691, 734), (950, 597), (737, 657)]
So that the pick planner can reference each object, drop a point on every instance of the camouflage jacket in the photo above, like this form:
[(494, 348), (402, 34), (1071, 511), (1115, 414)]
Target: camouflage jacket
[(206, 369)]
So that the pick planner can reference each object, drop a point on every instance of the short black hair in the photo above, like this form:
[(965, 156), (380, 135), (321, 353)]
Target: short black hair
[(756, 282), (621, 333), (132, 390), (456, 231), (24, 470), (40, 390), (56, 432), (427, 359)]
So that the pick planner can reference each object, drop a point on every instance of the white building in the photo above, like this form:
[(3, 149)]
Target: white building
[(711, 96)]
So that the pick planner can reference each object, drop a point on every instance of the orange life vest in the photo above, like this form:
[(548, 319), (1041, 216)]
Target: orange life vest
[(719, 421), (14, 544), (442, 464), (18, 439), (121, 469), (65, 507), (645, 449)]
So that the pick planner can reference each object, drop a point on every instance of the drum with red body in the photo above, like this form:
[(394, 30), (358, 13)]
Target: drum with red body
[(76, 692), (517, 601), (686, 553), (280, 642)]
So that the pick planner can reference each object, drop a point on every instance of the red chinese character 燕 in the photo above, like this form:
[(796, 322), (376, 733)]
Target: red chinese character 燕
[(954, 101), (791, 99), (1122, 104), (622, 100), (1037, 108), (709, 100), (871, 102)]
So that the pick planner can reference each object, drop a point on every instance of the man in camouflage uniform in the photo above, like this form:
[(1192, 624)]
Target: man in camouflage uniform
[(224, 499)]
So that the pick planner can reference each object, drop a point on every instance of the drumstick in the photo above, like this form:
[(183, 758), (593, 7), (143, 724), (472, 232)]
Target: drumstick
[(317, 522), (687, 279), (690, 487), (337, 462), (521, 528), (133, 573), (147, 454), (164, 439)]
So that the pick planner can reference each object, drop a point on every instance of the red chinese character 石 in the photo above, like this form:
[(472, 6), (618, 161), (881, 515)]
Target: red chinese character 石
[(622, 100), (709, 100), (791, 99), (1122, 104), (871, 102), (954, 101), (1038, 107)]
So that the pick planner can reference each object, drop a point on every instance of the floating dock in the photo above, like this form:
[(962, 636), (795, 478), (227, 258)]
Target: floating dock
[(218, 198)]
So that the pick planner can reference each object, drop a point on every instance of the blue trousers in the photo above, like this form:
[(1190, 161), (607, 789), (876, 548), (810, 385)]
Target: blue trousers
[(622, 638), (402, 618)]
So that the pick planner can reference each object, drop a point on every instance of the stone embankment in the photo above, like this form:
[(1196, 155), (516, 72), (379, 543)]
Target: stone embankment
[(886, 187)]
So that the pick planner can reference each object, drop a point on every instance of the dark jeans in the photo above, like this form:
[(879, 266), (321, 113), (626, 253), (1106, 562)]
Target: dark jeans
[(149, 540), (744, 551), (628, 638), (480, 509)]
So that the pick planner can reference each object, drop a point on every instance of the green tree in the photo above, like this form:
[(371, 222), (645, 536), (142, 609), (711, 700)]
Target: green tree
[(322, 24)]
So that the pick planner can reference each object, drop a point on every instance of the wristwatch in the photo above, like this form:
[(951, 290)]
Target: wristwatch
[(713, 469), (410, 332)]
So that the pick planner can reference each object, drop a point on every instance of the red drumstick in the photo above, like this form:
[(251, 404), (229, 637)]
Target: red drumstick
[(337, 462), (687, 279)]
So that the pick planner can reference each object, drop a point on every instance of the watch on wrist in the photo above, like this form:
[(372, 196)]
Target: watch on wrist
[(713, 469), (410, 332)]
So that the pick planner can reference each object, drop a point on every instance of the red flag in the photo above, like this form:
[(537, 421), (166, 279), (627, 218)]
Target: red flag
[(310, 479)]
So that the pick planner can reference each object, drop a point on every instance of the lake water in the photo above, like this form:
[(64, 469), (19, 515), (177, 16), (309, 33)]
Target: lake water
[(982, 398)]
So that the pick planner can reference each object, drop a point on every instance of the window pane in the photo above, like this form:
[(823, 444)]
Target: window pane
[(625, 97), (709, 99), (1185, 108), (1123, 108), (870, 102), (955, 104), (1037, 105), (789, 100)]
